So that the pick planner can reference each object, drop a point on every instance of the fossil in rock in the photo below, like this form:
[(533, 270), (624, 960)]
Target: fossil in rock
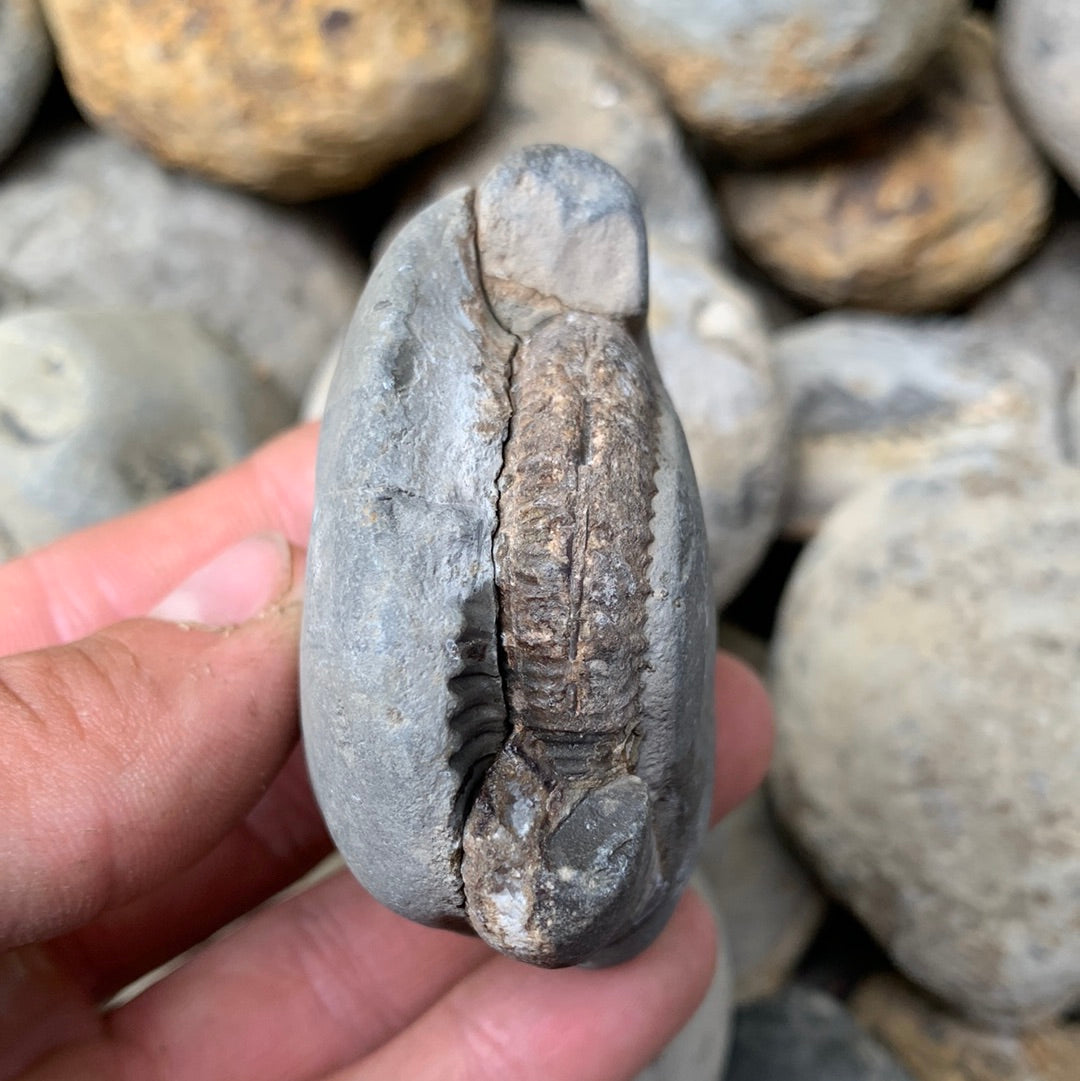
[(507, 651)]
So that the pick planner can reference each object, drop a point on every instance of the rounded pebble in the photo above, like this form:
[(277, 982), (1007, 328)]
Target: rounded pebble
[(801, 1034), (26, 64), (1040, 54), (936, 1046), (101, 411), (767, 80), (927, 710), (876, 394), (562, 81), (916, 215), (715, 360), (85, 220), (302, 100)]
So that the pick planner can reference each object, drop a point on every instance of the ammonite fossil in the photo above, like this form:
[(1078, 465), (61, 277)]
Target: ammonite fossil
[(507, 650)]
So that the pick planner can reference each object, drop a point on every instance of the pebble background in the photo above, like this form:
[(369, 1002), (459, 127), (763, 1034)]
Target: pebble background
[(864, 222)]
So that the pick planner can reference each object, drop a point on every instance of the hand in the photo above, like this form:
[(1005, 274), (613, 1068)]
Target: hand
[(151, 790)]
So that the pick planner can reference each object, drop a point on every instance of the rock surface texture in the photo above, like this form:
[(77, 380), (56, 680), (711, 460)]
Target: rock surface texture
[(802, 1034), (506, 666), (715, 360), (935, 1046), (917, 215), (562, 81), (877, 394), (85, 220), (766, 80), (305, 100), (103, 411), (770, 905), (26, 63), (927, 716), (1040, 52)]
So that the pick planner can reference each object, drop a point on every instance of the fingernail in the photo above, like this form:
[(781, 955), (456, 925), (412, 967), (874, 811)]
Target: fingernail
[(234, 586)]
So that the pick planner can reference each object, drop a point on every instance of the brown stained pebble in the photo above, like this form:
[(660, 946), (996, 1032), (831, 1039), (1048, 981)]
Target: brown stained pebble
[(764, 82), (918, 214), (294, 100), (936, 1046)]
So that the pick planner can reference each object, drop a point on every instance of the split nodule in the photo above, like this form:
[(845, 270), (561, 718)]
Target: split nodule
[(506, 663)]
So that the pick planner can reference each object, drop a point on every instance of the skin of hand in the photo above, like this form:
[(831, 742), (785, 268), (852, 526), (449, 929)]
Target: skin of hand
[(152, 790)]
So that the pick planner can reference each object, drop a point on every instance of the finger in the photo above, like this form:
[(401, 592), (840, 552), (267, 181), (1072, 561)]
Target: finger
[(129, 754), (281, 839), (298, 990), (510, 1022), (262, 1015), (744, 733), (120, 569), (285, 836), (50, 993)]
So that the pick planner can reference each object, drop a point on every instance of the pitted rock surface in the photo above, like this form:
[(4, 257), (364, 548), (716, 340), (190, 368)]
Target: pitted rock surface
[(299, 101), (927, 711)]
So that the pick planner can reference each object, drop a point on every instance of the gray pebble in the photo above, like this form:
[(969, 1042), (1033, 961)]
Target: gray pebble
[(85, 220), (927, 710), (802, 1034), (487, 750), (771, 906), (1036, 306), (562, 81), (26, 65), (715, 360), (1040, 54), (876, 394), (103, 411), (768, 79), (700, 1049)]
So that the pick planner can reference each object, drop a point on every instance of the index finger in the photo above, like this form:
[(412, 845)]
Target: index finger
[(84, 582)]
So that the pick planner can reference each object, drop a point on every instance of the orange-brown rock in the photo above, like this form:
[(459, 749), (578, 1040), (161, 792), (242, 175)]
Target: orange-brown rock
[(292, 98), (935, 1046), (916, 216)]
